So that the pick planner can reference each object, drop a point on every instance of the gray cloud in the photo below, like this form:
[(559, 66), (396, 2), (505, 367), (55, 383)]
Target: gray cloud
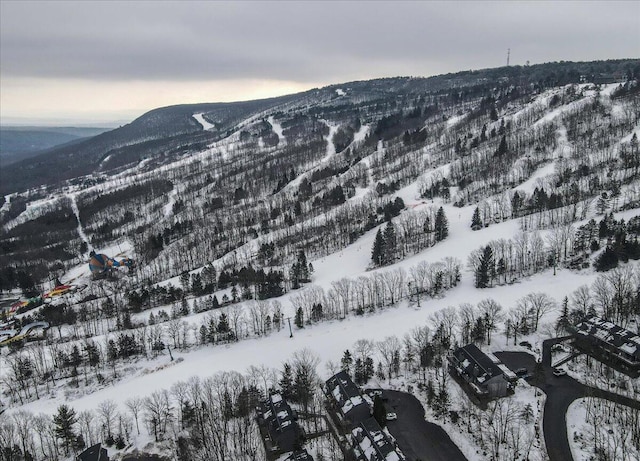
[(303, 41)]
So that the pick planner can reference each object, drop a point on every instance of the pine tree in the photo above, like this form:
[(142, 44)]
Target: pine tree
[(223, 324), (369, 370), (563, 320), (476, 222), (486, 268), (299, 320), (63, 422), (603, 203), (502, 148), (390, 244), (303, 386), (346, 362), (377, 253), (441, 225), (286, 381), (303, 268), (358, 372)]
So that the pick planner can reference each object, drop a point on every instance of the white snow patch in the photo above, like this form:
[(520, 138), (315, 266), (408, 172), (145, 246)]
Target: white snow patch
[(168, 208), (201, 120), (277, 129)]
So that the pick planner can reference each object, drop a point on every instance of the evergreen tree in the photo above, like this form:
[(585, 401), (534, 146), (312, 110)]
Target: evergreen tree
[(476, 222), (608, 259), (303, 268), (390, 244), (603, 203), (493, 115), (441, 226), (223, 324), (369, 369), (486, 268), (63, 422), (502, 148), (346, 362), (286, 381), (358, 372), (377, 253), (303, 386), (299, 319), (563, 320)]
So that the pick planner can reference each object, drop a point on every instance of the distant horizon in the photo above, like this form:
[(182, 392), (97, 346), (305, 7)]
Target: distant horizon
[(64, 62), (62, 123), (120, 118)]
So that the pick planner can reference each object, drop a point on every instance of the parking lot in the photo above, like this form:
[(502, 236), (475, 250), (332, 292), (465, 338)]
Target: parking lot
[(417, 438)]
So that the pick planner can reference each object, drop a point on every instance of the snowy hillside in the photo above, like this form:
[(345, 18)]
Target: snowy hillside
[(343, 228)]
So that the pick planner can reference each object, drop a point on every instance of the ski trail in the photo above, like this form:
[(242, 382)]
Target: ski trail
[(331, 147), (168, 208), (201, 120), (277, 129), (76, 211)]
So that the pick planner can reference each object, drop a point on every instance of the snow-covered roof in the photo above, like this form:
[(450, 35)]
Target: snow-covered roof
[(608, 333), (374, 443)]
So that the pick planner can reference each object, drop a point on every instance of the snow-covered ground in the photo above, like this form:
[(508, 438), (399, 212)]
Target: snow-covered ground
[(328, 340)]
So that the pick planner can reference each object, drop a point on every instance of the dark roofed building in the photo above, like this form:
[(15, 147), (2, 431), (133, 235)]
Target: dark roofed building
[(280, 422), (610, 343), (371, 443), (347, 400), (485, 373), (93, 453), (300, 455)]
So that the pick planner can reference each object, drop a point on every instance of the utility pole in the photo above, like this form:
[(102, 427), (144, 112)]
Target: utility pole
[(508, 55), (290, 330)]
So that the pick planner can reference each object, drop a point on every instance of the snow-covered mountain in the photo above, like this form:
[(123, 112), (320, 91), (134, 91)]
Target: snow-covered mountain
[(289, 229)]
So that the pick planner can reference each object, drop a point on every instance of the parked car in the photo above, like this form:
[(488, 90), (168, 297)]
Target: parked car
[(558, 348), (559, 372), (392, 416), (522, 372), (526, 344)]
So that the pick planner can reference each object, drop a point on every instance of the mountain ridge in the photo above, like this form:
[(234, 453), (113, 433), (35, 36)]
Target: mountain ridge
[(172, 127)]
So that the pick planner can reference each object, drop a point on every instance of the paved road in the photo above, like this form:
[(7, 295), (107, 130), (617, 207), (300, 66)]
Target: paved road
[(561, 392), (417, 438)]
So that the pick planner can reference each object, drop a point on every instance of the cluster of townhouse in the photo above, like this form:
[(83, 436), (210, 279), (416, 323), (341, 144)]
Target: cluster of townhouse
[(609, 343), (353, 412), (280, 430), (487, 377)]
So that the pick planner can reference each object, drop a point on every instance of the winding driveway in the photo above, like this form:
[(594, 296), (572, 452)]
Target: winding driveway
[(561, 392)]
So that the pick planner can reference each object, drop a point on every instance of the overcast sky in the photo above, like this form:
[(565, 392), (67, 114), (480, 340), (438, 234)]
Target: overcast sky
[(105, 61)]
